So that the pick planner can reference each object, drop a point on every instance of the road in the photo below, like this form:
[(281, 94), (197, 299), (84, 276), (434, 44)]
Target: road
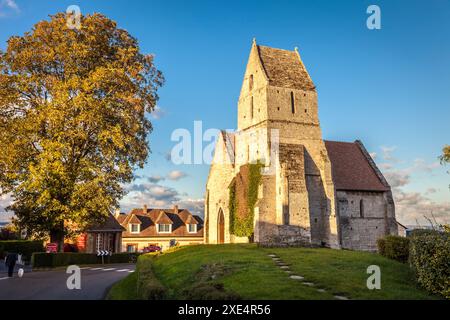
[(52, 285)]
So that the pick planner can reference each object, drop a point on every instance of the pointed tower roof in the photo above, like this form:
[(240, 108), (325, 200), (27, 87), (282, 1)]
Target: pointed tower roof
[(284, 68)]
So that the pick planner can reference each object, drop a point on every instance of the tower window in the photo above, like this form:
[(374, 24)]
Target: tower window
[(361, 208), (250, 83), (292, 102), (251, 107)]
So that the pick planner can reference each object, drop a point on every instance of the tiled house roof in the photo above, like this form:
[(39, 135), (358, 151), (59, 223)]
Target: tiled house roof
[(352, 169), (148, 221), (285, 69), (110, 225)]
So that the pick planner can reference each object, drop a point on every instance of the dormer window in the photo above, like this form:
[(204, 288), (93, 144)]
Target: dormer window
[(192, 228), (135, 228), (164, 228)]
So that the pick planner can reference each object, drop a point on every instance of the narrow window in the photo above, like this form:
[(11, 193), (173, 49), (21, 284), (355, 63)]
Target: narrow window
[(361, 208), (292, 102), (192, 228), (251, 106), (250, 83)]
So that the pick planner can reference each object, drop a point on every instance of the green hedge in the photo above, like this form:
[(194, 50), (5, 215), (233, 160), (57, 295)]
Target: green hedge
[(148, 285), (430, 260), (394, 247), (51, 260), (25, 247)]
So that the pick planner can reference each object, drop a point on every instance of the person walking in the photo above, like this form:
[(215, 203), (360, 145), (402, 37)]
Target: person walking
[(10, 262)]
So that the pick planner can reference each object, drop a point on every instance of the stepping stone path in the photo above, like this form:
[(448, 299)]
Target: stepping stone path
[(285, 267), (340, 298)]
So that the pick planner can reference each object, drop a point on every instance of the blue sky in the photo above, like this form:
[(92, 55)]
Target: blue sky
[(389, 88)]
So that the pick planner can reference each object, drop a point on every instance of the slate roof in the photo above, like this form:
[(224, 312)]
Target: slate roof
[(152, 217), (352, 169), (111, 224), (284, 68)]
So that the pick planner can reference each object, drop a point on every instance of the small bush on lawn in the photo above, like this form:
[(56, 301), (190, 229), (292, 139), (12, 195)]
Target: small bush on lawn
[(430, 260), (394, 247), (25, 247), (148, 286)]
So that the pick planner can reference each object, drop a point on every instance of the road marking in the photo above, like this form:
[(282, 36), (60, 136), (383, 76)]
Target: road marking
[(130, 271), (4, 278), (109, 269), (85, 268), (93, 269), (123, 270)]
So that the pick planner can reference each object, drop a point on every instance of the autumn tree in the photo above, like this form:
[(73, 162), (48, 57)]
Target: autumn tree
[(73, 123), (445, 157)]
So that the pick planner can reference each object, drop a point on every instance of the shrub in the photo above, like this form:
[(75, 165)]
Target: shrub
[(25, 247), (394, 247), (52, 260), (148, 285), (243, 195), (430, 261)]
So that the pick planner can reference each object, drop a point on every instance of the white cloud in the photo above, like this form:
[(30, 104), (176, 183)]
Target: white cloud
[(373, 155), (158, 113), (397, 178), (387, 153), (5, 200), (385, 166), (413, 207), (176, 175), (155, 178), (7, 7), (158, 196)]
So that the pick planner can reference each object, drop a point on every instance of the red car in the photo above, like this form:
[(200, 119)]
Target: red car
[(151, 249)]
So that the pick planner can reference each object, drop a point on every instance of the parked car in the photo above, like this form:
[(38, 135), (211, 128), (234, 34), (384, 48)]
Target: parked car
[(151, 249)]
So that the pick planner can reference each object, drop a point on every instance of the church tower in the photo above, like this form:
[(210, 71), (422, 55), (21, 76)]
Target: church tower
[(311, 191), (296, 201)]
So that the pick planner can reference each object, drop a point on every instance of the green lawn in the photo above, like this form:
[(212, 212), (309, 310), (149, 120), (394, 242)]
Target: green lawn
[(125, 289), (248, 271)]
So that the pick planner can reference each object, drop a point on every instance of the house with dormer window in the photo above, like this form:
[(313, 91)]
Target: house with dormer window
[(160, 227)]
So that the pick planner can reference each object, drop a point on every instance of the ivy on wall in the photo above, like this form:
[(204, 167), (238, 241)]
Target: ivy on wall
[(242, 225)]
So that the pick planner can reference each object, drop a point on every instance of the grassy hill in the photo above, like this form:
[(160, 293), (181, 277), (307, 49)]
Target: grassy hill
[(248, 272)]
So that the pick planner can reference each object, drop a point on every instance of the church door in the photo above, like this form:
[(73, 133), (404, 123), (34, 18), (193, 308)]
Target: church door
[(220, 228)]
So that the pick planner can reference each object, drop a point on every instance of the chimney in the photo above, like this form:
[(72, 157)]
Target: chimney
[(144, 209), (175, 209), (117, 213)]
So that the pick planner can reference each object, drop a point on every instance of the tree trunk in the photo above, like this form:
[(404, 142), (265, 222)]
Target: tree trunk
[(57, 236)]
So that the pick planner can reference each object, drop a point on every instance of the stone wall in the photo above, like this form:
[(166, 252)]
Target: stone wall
[(363, 218), (220, 176)]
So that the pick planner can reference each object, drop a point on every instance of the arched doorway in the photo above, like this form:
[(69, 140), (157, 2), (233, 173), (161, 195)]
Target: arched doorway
[(220, 227)]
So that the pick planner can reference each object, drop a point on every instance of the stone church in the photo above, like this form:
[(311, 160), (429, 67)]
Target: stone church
[(312, 191)]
